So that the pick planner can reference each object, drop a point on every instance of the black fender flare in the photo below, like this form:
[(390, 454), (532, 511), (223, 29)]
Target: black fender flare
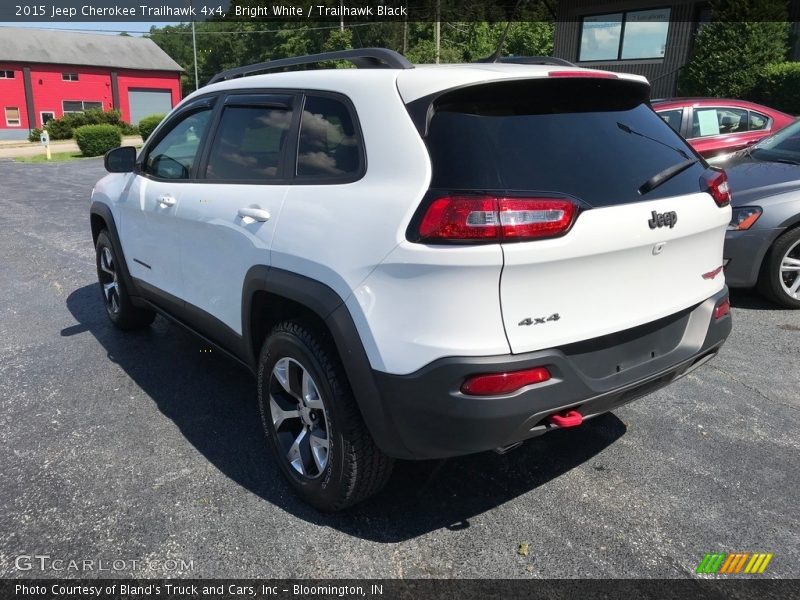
[(329, 306), (104, 212)]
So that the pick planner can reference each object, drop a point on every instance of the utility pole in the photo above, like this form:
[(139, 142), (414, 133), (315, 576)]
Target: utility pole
[(194, 50), (437, 30)]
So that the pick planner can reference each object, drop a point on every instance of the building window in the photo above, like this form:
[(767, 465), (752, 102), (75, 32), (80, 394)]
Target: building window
[(5, 74), (69, 77), (12, 117), (47, 115), (74, 106), (632, 35)]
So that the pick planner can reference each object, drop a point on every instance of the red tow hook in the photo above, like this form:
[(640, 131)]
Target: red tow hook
[(566, 419)]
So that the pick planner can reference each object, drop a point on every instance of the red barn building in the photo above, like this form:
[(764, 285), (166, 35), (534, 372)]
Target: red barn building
[(46, 73)]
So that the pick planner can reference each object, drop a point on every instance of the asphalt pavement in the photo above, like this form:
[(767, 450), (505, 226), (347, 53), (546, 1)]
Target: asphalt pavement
[(141, 448)]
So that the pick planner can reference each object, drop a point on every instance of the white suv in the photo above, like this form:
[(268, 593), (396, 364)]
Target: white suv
[(420, 262)]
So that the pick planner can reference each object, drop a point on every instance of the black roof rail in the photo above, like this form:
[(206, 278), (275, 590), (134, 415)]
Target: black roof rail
[(533, 60), (362, 58)]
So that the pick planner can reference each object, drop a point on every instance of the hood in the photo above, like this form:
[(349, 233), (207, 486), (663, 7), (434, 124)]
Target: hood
[(752, 179)]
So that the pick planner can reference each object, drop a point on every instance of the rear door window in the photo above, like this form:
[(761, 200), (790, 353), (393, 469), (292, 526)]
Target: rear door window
[(718, 121), (758, 122), (251, 140), (594, 139)]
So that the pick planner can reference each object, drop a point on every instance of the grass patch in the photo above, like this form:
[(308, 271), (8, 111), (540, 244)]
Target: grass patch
[(56, 157)]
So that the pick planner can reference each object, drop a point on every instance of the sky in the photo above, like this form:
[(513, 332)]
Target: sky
[(111, 28)]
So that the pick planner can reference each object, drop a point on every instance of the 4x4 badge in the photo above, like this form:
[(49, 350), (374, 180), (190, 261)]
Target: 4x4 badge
[(539, 320), (667, 219)]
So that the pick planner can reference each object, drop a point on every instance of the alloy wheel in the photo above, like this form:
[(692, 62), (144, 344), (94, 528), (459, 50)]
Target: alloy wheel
[(298, 417), (790, 271), (109, 280)]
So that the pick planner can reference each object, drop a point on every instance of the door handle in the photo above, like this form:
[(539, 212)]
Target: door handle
[(257, 214), (166, 200)]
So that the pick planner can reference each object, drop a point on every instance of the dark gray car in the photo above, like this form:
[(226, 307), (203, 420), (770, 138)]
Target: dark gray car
[(762, 245)]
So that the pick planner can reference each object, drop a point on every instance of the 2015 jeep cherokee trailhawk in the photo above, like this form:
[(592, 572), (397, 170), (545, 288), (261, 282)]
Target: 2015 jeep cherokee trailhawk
[(420, 262)]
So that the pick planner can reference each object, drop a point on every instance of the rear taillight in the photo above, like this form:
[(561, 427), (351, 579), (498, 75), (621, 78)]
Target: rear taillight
[(722, 309), (496, 384), (492, 219), (715, 182), (583, 74)]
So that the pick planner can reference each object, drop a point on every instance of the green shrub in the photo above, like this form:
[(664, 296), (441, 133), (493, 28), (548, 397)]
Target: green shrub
[(96, 140), (62, 129), (35, 135), (779, 87), (59, 129), (128, 129), (148, 124), (732, 50)]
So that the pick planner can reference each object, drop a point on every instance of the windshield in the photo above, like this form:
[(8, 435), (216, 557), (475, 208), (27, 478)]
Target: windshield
[(784, 145)]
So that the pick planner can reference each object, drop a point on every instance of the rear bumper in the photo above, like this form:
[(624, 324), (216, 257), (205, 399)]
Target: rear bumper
[(434, 419)]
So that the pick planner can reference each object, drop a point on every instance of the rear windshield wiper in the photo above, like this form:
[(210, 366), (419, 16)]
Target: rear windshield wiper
[(665, 175), (627, 129)]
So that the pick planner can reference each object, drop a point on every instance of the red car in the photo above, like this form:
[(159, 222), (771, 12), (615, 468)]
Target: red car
[(718, 126)]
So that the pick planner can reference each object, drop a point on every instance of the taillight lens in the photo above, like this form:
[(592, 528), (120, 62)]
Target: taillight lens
[(495, 384), (723, 308), (492, 219), (715, 182), (461, 218)]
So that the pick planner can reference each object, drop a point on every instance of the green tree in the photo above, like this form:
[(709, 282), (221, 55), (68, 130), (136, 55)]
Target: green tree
[(732, 51)]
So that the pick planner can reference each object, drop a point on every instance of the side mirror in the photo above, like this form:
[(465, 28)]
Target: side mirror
[(120, 160)]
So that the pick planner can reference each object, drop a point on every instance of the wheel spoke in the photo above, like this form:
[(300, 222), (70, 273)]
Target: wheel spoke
[(294, 455), (788, 260), (110, 291), (107, 262), (282, 373), (310, 393), (319, 449), (279, 415), (795, 286)]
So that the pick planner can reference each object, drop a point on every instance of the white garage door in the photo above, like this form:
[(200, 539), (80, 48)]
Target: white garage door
[(148, 102)]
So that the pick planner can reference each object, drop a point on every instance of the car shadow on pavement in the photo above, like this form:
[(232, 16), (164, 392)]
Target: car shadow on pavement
[(213, 403), (750, 299)]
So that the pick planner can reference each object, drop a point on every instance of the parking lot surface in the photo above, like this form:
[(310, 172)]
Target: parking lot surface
[(141, 447)]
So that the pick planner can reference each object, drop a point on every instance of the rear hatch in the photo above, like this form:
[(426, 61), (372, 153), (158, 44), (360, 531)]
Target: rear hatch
[(633, 250)]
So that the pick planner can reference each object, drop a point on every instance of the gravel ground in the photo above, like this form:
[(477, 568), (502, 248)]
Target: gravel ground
[(139, 447)]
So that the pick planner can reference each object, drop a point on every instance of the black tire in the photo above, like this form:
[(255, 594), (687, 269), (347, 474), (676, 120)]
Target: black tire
[(354, 467), (772, 283), (116, 298)]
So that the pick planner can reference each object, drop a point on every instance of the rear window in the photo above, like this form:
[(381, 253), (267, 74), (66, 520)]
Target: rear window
[(581, 137)]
